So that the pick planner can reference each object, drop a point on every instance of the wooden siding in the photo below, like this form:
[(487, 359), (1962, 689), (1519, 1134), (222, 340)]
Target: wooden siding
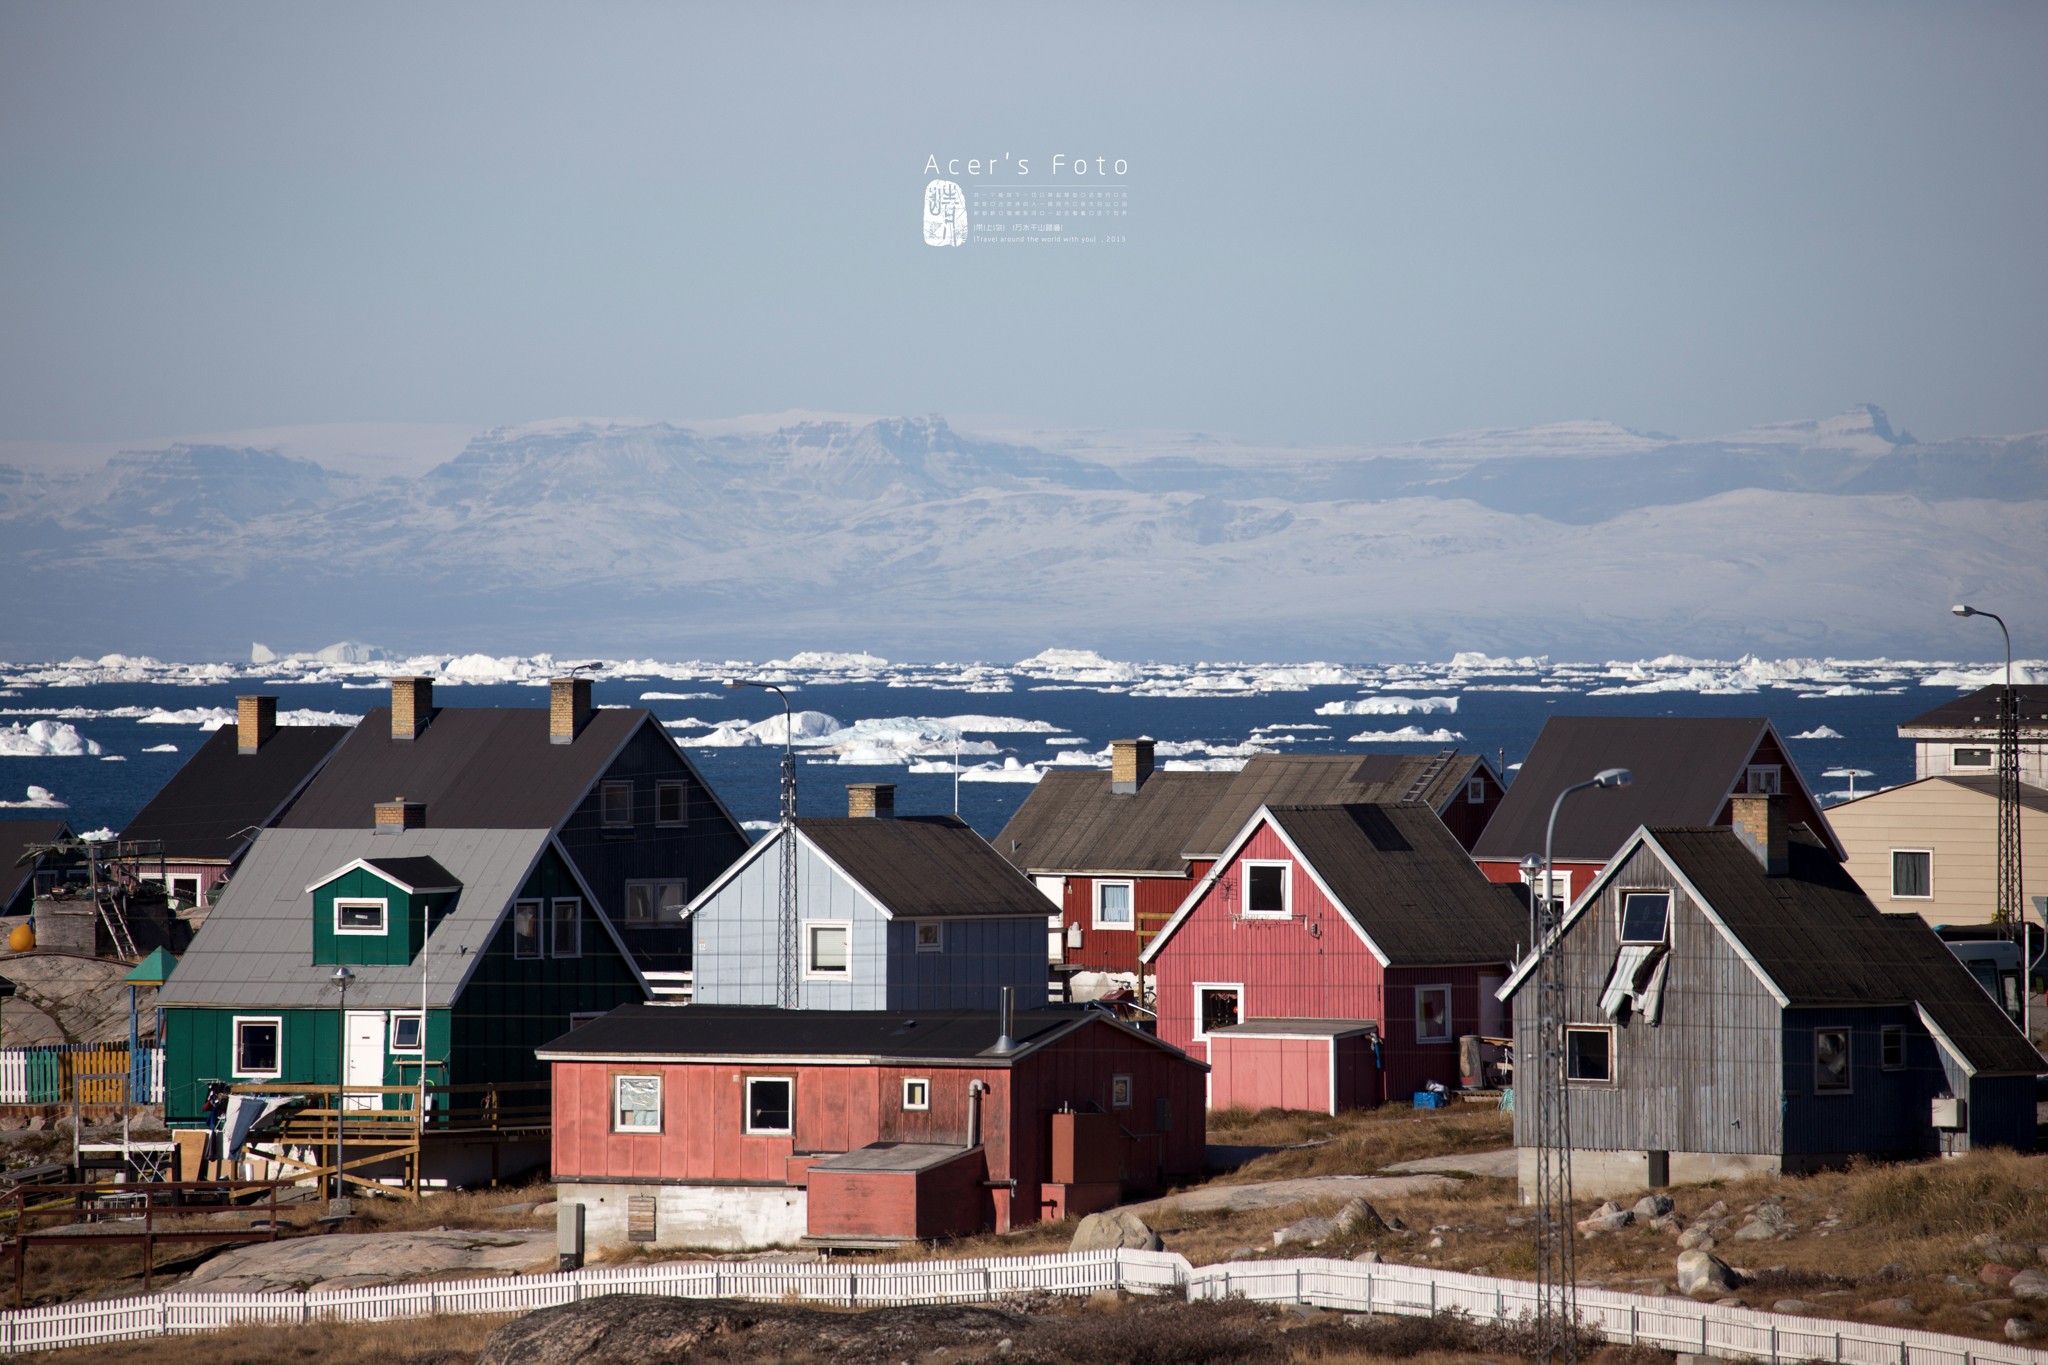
[(976, 959), (1153, 900), (1708, 1078), (1250, 1071), (1466, 820), (1959, 826), (199, 1050), (406, 921), (1798, 810), (1884, 1113)]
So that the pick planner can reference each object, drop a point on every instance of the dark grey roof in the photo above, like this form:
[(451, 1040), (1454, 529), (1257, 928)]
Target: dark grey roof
[(1819, 939), (1323, 780), (1404, 878), (203, 811), (1073, 823), (893, 1156), (1683, 768), (16, 836), (256, 947), (417, 874), (1977, 712), (926, 865), (474, 767), (1314, 1028), (684, 1031)]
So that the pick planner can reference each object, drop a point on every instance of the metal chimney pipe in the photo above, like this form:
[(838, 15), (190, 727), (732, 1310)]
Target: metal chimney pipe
[(1003, 1042)]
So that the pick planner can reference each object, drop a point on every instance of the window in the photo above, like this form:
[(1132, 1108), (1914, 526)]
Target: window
[(257, 1049), (1475, 791), (526, 928), (636, 1104), (1560, 890), (616, 800), (567, 937), (1217, 1006), (1912, 874), (652, 903), (1265, 890), (1645, 916), (1831, 1061), (671, 803), (358, 916), (1764, 779), (828, 950), (1588, 1053), (1112, 905), (1433, 1014), (1972, 757), (930, 939), (1892, 1039), (768, 1104), (1119, 1092), (405, 1033), (917, 1093)]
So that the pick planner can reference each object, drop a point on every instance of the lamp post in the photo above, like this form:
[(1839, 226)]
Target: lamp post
[(786, 947), (339, 1205), (2006, 912), (1556, 1272)]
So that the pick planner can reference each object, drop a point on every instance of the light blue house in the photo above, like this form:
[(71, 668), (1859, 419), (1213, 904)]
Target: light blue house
[(911, 913)]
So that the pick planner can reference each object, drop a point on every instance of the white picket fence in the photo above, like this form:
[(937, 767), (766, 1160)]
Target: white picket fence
[(1675, 1324)]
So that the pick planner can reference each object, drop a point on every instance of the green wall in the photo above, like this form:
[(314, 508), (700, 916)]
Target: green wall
[(404, 922), (199, 1048)]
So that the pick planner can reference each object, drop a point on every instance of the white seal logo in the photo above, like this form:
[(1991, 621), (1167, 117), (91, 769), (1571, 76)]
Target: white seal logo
[(945, 214)]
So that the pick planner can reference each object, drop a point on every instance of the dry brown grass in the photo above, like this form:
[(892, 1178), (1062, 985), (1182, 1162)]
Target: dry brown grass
[(413, 1341), (1356, 1143), (478, 1209)]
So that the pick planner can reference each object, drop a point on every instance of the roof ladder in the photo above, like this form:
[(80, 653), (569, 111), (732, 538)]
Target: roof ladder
[(1429, 775)]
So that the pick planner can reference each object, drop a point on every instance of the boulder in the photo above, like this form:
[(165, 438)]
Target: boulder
[(1756, 1230), (1698, 1237), (1367, 1258), (1996, 1275), (1114, 1229), (1305, 1232), (1359, 1217), (1717, 1209), (1900, 1307), (2028, 1284), (1699, 1270), (2011, 1253), (2019, 1329), (1652, 1206), (1609, 1217)]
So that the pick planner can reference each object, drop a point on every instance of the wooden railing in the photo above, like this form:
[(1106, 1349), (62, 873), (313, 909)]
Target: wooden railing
[(134, 1212)]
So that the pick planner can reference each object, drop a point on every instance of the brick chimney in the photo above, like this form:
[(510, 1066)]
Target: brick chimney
[(255, 722), (412, 706), (871, 800), (398, 815), (1760, 825), (568, 709), (1130, 763)]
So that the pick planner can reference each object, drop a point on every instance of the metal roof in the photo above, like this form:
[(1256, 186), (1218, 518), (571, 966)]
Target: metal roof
[(256, 948), (893, 1156), (1305, 1028), (1976, 713), (925, 866), (207, 808), (1073, 823), (1324, 780)]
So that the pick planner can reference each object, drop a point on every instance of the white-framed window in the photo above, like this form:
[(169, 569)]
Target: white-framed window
[(1912, 874), (1892, 1047), (1645, 916), (651, 903), (1765, 779), (1218, 1004), (259, 1047), (636, 1104), (526, 928), (771, 1105), (1268, 889), (671, 803), (828, 950), (1433, 1013), (1119, 1092), (1831, 1061), (917, 1092), (615, 802), (931, 937), (1963, 756), (359, 915), (565, 936), (182, 887), (1560, 896), (1589, 1053), (1113, 905), (1475, 791), (407, 1033)]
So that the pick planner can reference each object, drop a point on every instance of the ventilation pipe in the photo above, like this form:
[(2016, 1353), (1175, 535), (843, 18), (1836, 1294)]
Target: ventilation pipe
[(974, 1091)]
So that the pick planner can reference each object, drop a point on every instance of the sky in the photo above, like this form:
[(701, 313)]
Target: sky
[(1346, 223)]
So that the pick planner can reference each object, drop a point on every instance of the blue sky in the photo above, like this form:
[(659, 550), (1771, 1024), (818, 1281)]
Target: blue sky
[(1350, 223)]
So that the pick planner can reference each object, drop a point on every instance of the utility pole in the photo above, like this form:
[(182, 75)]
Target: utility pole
[(786, 973), (2005, 911)]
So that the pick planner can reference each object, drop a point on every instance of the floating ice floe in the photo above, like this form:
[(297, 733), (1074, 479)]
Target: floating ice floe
[(1820, 732), (161, 749), (2024, 672), (828, 660), (1010, 770), (679, 696), (39, 798), (215, 717), (46, 739), (1407, 734), (97, 836), (809, 727), (114, 758), (1078, 665), (1389, 706)]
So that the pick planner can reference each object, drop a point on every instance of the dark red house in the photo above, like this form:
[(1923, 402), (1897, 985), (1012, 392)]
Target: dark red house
[(1333, 957), (726, 1127)]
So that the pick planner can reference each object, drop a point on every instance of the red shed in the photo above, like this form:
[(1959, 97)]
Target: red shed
[(1319, 921), (727, 1126)]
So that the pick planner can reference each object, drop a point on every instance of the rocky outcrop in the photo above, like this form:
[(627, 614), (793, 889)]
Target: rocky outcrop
[(1114, 1229)]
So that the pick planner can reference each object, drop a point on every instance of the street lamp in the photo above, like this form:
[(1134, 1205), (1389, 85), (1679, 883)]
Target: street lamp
[(2006, 913), (339, 1206), (785, 965)]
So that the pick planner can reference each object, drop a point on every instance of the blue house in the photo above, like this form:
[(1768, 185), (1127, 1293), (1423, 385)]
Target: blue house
[(893, 913)]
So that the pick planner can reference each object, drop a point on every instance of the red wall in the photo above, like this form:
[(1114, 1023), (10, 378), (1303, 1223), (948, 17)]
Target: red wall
[(1116, 950), (1466, 821), (1254, 1072)]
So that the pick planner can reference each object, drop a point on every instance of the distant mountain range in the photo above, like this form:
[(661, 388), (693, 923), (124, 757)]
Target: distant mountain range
[(905, 536)]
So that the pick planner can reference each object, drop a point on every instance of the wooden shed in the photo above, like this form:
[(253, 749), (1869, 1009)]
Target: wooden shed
[(1325, 1065)]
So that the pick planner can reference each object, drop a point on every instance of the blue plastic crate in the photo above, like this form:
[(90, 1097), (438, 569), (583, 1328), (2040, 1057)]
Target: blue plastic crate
[(1430, 1099)]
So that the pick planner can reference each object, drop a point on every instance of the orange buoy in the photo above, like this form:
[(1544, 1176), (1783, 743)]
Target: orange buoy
[(22, 940)]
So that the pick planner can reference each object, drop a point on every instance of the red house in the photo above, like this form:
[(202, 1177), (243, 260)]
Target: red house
[(729, 1126), (1334, 956)]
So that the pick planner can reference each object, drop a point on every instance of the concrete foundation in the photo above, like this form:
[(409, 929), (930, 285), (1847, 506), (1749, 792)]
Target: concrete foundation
[(706, 1217), (1614, 1174)]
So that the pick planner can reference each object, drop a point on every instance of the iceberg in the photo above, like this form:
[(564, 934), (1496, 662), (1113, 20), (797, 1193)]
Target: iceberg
[(39, 798), (1389, 706), (1820, 732), (46, 739), (1407, 734)]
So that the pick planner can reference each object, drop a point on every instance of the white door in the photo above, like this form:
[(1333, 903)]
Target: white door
[(365, 1064)]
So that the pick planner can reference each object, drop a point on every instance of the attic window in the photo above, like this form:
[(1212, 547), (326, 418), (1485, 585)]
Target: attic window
[(1765, 779), (1961, 757), (1266, 890), (616, 799), (359, 916), (1475, 792), (671, 804), (1645, 916), (828, 955)]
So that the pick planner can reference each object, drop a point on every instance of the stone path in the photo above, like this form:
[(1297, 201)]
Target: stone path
[(1501, 1163), (1266, 1194), (349, 1260)]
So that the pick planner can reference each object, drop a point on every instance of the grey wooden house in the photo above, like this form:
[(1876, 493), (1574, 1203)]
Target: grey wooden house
[(916, 912), (1734, 1003)]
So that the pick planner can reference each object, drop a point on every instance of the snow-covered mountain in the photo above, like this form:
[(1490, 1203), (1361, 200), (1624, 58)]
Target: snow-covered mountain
[(904, 533)]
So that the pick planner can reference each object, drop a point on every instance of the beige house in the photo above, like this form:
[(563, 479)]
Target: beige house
[(1931, 847)]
